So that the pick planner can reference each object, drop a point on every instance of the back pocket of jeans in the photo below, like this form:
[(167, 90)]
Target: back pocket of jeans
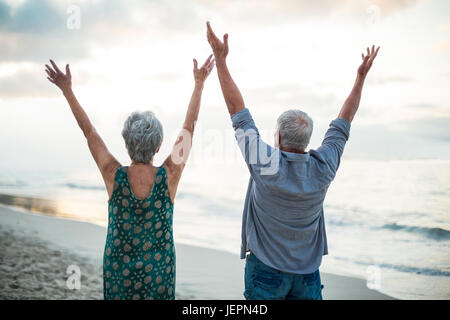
[(311, 279), (267, 281)]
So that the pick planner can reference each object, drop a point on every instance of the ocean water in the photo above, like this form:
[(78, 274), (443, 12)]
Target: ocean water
[(387, 221)]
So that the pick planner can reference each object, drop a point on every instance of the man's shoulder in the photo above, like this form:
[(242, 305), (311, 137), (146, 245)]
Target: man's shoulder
[(316, 156)]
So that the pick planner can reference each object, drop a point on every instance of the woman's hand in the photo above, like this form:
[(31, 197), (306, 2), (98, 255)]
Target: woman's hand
[(61, 80), (201, 74)]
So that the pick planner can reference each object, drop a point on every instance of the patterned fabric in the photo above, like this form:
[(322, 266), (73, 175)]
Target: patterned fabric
[(139, 257)]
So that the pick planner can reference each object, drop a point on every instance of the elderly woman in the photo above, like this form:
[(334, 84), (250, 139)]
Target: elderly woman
[(139, 256)]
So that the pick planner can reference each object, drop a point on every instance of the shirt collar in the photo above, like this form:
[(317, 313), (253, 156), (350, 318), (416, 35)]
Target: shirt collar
[(291, 156)]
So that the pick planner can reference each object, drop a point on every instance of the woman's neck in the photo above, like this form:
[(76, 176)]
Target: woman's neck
[(142, 167), (141, 164)]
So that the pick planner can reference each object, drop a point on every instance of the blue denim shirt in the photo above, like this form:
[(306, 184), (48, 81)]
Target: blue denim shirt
[(283, 220)]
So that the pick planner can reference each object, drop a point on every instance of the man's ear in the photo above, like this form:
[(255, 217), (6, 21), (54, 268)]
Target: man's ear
[(277, 139), (157, 150)]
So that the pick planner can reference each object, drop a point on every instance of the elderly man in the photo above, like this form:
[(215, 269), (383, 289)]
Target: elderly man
[(283, 226)]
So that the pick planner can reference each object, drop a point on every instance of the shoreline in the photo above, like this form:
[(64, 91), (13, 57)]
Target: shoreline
[(35, 205), (202, 273)]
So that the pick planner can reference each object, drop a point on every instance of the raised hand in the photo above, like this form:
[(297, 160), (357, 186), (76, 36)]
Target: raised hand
[(56, 76), (367, 61), (351, 104), (201, 74), (219, 48)]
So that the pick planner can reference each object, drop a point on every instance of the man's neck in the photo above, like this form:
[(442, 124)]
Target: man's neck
[(292, 150)]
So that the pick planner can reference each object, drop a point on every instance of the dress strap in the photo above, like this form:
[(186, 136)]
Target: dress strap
[(120, 175), (163, 185)]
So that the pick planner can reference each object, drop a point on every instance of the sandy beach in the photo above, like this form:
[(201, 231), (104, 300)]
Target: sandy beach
[(37, 251)]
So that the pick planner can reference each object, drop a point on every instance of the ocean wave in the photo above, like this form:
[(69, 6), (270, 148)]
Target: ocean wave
[(83, 187), (409, 269), (433, 233), (401, 268), (14, 184)]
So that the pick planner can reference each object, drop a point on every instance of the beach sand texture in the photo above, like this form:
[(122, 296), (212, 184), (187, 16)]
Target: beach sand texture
[(37, 250)]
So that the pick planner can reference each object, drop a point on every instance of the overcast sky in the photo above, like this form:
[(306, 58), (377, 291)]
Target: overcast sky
[(137, 54)]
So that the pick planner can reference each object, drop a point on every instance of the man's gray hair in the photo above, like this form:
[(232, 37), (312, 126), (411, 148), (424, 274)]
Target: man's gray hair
[(143, 134), (295, 128)]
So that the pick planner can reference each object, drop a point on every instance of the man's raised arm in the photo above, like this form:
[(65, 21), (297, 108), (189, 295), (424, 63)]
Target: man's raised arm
[(231, 93), (351, 105)]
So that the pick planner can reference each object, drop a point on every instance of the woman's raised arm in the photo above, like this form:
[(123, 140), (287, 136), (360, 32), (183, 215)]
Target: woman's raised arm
[(175, 162), (104, 159)]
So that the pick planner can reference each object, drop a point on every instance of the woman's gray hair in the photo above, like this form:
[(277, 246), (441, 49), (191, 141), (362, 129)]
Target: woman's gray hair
[(143, 135), (295, 128)]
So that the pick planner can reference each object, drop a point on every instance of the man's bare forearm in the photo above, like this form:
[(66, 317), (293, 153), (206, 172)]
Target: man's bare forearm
[(80, 115), (231, 93), (351, 104), (194, 108)]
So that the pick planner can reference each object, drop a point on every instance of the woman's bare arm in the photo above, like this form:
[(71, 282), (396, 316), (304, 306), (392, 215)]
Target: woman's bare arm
[(176, 161), (103, 158)]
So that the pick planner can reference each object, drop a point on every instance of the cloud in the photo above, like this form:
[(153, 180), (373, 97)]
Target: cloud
[(435, 128), (31, 29), (390, 79), (34, 29), (285, 9), (30, 81), (443, 26), (428, 137), (291, 96), (426, 120), (443, 46), (4, 13), (35, 17), (420, 106), (26, 83), (393, 6), (28, 47)]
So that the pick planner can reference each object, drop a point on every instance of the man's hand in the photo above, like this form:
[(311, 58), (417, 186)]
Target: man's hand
[(61, 80), (201, 74), (220, 49), (351, 104), (231, 93), (367, 61)]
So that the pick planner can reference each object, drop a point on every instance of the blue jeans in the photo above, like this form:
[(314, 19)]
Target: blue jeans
[(265, 283)]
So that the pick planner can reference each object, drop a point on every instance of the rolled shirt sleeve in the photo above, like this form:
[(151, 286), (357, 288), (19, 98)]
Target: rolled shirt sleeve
[(261, 158), (242, 120), (334, 142)]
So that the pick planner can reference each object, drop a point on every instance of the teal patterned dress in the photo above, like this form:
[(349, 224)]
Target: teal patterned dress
[(139, 257)]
